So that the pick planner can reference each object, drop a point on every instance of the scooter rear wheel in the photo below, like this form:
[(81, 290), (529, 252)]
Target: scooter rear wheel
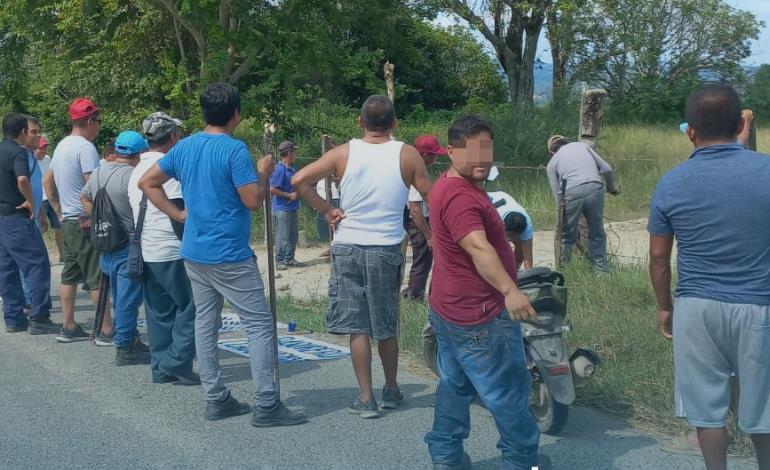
[(551, 416)]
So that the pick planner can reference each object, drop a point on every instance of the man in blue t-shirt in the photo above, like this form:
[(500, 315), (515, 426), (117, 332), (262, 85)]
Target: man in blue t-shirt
[(716, 206), (285, 207), (221, 189)]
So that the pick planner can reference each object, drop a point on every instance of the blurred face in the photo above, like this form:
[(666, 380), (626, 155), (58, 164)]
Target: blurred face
[(40, 152), (94, 126), (472, 157), (32, 139), (429, 159)]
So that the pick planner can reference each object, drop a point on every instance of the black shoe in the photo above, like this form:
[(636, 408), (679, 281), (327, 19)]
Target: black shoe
[(43, 327), (161, 378), (67, 336), (183, 378), (293, 263), (278, 415), (543, 462), (216, 410), (464, 464), (15, 328), (132, 355)]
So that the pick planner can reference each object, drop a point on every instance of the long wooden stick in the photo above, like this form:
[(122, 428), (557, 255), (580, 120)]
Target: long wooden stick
[(267, 149), (101, 305)]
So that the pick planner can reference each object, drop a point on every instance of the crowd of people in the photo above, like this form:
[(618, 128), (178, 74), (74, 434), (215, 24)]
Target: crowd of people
[(167, 220)]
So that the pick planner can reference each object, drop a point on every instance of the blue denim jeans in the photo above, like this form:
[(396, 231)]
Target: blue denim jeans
[(487, 361), (126, 296)]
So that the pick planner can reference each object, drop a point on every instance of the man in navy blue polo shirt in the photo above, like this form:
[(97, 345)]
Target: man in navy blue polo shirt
[(285, 207), (716, 206)]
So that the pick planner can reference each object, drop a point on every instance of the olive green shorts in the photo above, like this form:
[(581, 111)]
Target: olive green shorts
[(81, 260)]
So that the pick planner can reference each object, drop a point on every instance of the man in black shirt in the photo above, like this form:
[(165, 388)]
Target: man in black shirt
[(21, 244)]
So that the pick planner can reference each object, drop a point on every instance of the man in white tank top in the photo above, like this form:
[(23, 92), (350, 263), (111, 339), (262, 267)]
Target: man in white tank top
[(375, 175)]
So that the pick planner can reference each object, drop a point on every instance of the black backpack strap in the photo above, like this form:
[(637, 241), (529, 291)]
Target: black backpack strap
[(140, 220)]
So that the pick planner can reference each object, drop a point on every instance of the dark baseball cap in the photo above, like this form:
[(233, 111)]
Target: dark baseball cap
[(286, 146)]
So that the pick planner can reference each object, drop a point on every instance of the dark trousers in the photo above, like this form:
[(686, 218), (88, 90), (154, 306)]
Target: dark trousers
[(22, 250), (422, 261), (170, 313), (322, 225), (286, 235)]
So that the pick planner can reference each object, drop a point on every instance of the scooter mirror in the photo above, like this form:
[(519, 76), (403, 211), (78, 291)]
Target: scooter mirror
[(493, 173)]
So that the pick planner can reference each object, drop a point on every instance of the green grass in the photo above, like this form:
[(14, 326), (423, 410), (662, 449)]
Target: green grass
[(640, 155), (612, 313)]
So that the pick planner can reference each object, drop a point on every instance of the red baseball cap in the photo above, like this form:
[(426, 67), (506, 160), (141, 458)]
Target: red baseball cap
[(428, 144), (82, 108), (43, 142)]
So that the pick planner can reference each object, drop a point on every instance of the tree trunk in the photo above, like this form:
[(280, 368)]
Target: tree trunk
[(527, 82), (557, 53)]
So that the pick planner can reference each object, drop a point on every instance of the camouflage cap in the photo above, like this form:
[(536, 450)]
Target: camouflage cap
[(158, 125)]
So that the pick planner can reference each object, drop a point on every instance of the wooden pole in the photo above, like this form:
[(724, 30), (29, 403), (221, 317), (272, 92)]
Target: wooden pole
[(752, 144), (390, 81), (268, 149)]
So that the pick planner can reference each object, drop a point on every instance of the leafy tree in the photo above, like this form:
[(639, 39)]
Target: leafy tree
[(758, 93)]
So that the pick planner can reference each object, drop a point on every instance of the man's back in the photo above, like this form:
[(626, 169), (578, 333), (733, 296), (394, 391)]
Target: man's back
[(72, 158), (373, 195), (211, 168), (113, 177), (717, 205), (578, 164)]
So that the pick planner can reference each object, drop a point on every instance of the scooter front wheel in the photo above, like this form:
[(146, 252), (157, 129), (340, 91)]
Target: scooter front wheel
[(551, 416)]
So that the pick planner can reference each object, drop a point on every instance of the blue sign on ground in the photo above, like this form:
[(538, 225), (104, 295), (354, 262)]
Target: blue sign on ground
[(291, 349)]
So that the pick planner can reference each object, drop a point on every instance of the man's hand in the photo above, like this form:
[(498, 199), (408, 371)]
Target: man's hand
[(334, 217), (429, 241), (665, 321), (43, 223), (748, 117), (266, 164), (293, 196), (182, 216), (28, 206), (518, 306)]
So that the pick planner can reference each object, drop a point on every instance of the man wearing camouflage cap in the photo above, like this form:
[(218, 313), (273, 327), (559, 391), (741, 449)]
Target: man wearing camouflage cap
[(168, 300)]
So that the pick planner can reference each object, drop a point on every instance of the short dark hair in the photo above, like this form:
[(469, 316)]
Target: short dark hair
[(378, 113), (109, 147), (468, 126), (558, 144), (161, 141), (14, 124), (515, 222), (219, 102), (33, 120), (714, 112), (83, 122)]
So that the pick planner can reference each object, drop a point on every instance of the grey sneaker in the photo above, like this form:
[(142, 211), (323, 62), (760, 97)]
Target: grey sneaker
[(391, 398), (66, 336), (295, 264), (367, 410), (106, 340), (43, 327), (281, 267), (278, 415), (464, 464)]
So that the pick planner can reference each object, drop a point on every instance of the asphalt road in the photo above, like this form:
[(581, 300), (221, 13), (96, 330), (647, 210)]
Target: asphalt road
[(65, 406)]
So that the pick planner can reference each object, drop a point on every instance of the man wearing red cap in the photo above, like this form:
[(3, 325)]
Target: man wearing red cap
[(418, 224), (74, 159)]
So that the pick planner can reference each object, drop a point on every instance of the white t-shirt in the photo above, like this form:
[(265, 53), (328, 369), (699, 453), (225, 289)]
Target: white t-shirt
[(73, 158), (159, 242), (415, 196), (44, 163), (320, 188)]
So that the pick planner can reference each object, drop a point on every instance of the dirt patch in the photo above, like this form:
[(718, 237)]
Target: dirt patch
[(628, 241)]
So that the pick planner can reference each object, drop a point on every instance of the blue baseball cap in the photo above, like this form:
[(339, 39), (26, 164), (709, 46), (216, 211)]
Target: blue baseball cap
[(683, 127), (130, 143)]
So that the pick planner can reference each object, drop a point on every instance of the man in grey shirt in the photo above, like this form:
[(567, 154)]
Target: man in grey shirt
[(577, 169), (126, 293)]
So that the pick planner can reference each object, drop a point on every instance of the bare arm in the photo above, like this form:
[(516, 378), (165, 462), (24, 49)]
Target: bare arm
[(491, 269), (660, 275), (88, 204), (25, 188), (745, 135), (415, 209), (49, 182), (523, 252), (277, 192), (553, 181), (332, 162), (253, 195), (151, 183), (415, 173)]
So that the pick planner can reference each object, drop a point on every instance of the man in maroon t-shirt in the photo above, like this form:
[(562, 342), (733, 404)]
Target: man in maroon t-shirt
[(475, 308)]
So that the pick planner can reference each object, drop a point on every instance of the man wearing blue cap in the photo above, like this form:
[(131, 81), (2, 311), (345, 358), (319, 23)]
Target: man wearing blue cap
[(126, 294)]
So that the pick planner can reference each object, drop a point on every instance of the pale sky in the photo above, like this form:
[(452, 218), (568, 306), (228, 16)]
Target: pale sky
[(760, 48)]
